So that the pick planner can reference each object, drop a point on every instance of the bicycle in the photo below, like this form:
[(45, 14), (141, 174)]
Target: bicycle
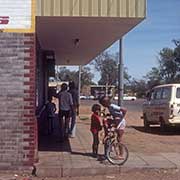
[(115, 152)]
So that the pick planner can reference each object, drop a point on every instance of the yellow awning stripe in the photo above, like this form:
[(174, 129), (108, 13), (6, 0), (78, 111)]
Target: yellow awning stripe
[(92, 8)]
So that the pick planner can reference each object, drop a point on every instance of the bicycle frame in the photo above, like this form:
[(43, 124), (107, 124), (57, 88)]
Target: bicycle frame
[(113, 148)]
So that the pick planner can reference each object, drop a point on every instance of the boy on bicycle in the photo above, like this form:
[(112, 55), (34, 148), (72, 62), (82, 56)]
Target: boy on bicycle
[(117, 113)]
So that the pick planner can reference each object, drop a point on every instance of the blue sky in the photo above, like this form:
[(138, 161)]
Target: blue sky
[(142, 44)]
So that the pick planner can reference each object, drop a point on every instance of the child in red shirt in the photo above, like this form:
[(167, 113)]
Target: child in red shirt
[(95, 127)]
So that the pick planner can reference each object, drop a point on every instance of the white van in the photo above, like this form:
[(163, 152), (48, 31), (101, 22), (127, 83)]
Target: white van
[(162, 106)]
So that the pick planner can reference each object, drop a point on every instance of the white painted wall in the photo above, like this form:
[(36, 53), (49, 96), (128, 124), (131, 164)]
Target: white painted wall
[(15, 14)]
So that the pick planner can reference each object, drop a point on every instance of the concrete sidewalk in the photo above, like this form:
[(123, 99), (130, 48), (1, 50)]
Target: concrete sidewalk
[(73, 158)]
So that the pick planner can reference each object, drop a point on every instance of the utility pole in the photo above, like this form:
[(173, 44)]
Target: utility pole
[(79, 82), (120, 75)]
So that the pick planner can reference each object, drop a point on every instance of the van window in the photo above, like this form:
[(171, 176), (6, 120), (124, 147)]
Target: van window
[(178, 93), (157, 93), (166, 93)]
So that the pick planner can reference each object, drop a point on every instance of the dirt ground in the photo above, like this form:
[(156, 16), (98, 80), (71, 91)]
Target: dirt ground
[(136, 138)]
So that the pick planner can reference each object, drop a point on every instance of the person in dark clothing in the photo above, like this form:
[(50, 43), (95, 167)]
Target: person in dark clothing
[(73, 91), (95, 128), (50, 110)]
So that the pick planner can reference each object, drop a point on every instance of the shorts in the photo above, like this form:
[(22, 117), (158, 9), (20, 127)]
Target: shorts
[(65, 114), (122, 125)]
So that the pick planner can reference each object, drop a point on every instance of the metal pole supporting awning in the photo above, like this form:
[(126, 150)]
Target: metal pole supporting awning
[(120, 75)]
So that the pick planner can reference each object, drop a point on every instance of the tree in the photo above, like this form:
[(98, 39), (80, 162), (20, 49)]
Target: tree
[(64, 74), (166, 71), (153, 78), (86, 76), (177, 57), (167, 65), (107, 65), (177, 51), (168, 68), (138, 87)]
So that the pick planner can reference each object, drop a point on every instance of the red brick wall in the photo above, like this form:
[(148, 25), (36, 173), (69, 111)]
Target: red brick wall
[(18, 127)]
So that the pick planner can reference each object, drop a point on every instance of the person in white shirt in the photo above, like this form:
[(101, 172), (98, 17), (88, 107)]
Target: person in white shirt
[(65, 109), (75, 112)]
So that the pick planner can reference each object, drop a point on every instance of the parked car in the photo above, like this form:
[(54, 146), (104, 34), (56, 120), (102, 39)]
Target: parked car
[(83, 97), (129, 98), (126, 97), (90, 97), (115, 98), (162, 106)]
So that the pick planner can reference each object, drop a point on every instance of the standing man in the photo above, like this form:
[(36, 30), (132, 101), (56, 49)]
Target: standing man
[(73, 91), (65, 109)]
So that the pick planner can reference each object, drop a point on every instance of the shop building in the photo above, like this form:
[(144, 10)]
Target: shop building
[(33, 35)]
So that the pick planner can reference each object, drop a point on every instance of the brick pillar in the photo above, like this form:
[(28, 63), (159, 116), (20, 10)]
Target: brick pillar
[(30, 122), (18, 125)]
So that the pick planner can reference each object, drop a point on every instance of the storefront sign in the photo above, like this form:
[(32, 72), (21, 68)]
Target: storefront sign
[(4, 19), (17, 15)]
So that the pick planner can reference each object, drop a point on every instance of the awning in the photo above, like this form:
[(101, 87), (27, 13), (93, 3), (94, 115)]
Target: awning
[(78, 30)]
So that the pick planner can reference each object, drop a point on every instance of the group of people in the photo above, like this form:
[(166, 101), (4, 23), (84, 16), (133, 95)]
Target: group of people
[(97, 124), (68, 109)]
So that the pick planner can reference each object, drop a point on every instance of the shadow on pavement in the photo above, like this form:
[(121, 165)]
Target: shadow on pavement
[(101, 158), (156, 130), (82, 154), (53, 141)]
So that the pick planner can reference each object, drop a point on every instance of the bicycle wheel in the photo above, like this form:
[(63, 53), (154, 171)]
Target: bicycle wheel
[(117, 153)]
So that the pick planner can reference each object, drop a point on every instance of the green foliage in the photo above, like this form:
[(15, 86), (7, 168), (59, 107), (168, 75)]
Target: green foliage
[(64, 74), (138, 87), (167, 71), (177, 51), (107, 65), (153, 77), (168, 68), (86, 76)]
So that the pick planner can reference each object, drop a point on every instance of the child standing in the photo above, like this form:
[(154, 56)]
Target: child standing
[(50, 109), (95, 127)]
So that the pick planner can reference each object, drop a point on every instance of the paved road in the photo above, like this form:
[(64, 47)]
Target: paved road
[(130, 105), (134, 105)]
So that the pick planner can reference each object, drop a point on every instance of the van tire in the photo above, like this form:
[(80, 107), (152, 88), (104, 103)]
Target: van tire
[(146, 123)]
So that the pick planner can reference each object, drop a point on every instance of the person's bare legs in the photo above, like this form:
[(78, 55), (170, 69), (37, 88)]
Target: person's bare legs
[(119, 139)]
